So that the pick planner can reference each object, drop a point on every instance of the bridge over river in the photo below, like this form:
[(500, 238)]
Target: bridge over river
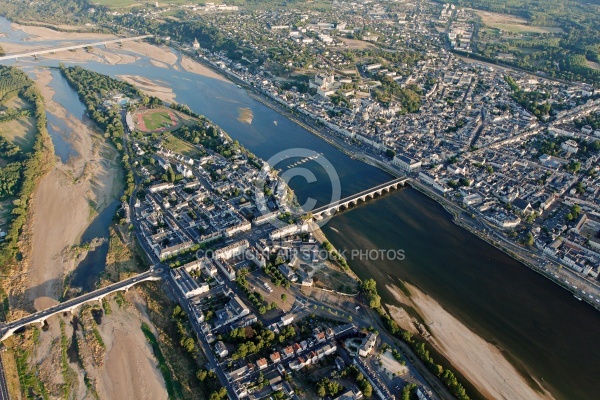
[(330, 209), (39, 52), (9, 328)]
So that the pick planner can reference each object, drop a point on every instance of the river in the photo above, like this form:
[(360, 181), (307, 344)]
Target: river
[(538, 324)]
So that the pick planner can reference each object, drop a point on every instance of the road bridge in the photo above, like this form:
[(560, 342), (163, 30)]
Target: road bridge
[(35, 53), (331, 209), (9, 328)]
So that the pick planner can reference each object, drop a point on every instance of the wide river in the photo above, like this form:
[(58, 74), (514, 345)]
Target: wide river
[(554, 336)]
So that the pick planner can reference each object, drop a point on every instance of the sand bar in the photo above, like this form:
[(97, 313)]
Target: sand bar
[(481, 362)]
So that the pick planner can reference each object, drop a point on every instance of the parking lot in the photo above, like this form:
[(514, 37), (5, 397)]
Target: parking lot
[(258, 278)]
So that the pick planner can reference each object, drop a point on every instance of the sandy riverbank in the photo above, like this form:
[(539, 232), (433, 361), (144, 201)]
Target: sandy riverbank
[(38, 33), (105, 55), (195, 67), (43, 33), (71, 192), (125, 53), (150, 87), (130, 368), (110, 54), (125, 369), (481, 362), (162, 54)]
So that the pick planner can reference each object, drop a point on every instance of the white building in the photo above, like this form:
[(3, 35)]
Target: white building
[(368, 346), (472, 200), (220, 349), (406, 163), (286, 319), (189, 286), (570, 146)]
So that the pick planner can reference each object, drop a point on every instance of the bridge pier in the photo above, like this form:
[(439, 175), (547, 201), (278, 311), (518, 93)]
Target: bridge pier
[(126, 288), (330, 209), (8, 329), (72, 309)]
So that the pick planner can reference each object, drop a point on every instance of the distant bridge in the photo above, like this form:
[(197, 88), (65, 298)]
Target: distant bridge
[(40, 52), (330, 209), (9, 328)]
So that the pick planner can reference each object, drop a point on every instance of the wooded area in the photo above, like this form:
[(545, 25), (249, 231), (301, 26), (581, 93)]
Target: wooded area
[(22, 171), (563, 54)]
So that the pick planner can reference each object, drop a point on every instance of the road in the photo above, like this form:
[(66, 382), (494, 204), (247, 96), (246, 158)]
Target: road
[(371, 376), (214, 364), (366, 318), (533, 258), (5, 328), (3, 387)]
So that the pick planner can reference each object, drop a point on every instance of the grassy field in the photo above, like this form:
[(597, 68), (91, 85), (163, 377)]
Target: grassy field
[(254, 5), (117, 3), (177, 145), (130, 3), (593, 65), (21, 131), (510, 23), (519, 28), (157, 120), (355, 44)]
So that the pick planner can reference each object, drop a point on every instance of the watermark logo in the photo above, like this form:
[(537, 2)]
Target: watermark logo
[(308, 254), (291, 164)]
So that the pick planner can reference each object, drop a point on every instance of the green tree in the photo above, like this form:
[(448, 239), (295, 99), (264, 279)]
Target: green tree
[(321, 391), (201, 375), (367, 390)]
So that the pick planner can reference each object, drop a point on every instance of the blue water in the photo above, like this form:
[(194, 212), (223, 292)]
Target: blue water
[(17, 36), (58, 130), (535, 322), (91, 267)]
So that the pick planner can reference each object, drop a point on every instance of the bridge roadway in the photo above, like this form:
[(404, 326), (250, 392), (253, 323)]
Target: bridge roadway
[(9, 328), (334, 207), (74, 47)]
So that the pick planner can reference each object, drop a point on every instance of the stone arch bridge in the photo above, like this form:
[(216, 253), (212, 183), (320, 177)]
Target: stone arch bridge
[(331, 209)]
